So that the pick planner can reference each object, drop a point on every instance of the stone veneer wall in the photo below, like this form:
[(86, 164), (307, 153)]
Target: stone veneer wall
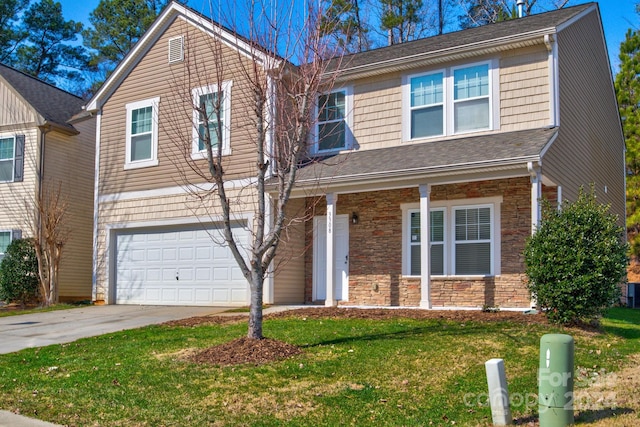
[(375, 247)]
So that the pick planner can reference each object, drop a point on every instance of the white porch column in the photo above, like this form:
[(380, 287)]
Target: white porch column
[(559, 189), (536, 195), (330, 300), (425, 246)]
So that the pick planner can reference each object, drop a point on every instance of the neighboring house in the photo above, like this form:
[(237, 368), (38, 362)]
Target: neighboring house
[(47, 142), (432, 157)]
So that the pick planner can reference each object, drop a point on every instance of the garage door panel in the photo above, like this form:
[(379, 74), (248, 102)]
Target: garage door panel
[(147, 262)]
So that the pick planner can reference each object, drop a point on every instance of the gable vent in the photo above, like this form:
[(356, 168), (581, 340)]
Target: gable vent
[(176, 49)]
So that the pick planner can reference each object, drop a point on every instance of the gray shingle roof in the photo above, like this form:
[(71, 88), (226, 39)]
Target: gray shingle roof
[(461, 38), (55, 105), (405, 160)]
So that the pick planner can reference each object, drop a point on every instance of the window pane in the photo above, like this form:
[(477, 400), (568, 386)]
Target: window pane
[(6, 170), (415, 260), (5, 239), (6, 148), (471, 115), (213, 134), (415, 227), (207, 102), (426, 90), (427, 122), (331, 135), (141, 120), (471, 82), (473, 258), (332, 107), (141, 147), (437, 259), (437, 226)]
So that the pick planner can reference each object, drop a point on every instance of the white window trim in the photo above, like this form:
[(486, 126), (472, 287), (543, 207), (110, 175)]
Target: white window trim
[(348, 122), (448, 110), (153, 161), (13, 161), (196, 153), (449, 239), (10, 240)]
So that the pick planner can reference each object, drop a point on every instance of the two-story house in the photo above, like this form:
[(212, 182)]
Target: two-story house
[(47, 143), (431, 158)]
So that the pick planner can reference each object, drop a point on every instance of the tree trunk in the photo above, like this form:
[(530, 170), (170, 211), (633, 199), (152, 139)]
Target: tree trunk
[(255, 310)]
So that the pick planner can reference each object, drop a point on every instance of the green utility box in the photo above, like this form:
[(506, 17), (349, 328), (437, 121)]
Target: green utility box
[(555, 380)]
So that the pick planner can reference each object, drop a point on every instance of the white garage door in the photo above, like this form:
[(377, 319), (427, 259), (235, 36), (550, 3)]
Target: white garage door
[(178, 267)]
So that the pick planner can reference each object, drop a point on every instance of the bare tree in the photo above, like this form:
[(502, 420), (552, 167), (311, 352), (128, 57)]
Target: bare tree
[(277, 101), (48, 222)]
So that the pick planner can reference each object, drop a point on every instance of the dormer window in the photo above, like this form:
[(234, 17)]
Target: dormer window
[(449, 101)]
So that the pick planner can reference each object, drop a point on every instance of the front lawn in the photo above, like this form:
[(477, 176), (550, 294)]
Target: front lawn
[(353, 372)]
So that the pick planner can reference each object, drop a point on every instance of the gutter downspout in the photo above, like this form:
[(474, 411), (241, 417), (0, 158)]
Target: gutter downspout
[(554, 101)]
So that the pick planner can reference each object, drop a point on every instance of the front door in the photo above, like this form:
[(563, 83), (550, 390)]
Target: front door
[(341, 257)]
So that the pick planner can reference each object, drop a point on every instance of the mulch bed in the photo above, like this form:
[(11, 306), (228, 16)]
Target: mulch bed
[(246, 350)]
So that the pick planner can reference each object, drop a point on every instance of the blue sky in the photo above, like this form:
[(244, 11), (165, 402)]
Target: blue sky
[(617, 17)]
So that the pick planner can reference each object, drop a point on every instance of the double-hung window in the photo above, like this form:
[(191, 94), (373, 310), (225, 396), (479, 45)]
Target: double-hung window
[(472, 240), (7, 159), (427, 105), (463, 239), (471, 104), (333, 132), (142, 134), (211, 119), (449, 101)]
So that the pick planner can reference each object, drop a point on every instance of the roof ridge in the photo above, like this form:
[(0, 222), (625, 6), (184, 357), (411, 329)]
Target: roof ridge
[(39, 80), (581, 7)]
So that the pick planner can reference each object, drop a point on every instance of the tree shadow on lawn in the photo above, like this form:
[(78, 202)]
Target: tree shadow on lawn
[(452, 330), (594, 415)]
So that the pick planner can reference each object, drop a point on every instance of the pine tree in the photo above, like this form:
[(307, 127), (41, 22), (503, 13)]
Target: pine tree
[(48, 51), (627, 86), (342, 20), (10, 34)]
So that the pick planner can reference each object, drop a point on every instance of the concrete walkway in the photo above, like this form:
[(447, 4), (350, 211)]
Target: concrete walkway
[(63, 326)]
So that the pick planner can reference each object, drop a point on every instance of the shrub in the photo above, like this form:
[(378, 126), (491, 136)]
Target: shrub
[(19, 272), (576, 260)]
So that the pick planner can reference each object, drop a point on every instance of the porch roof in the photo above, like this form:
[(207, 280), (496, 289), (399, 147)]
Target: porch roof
[(498, 150)]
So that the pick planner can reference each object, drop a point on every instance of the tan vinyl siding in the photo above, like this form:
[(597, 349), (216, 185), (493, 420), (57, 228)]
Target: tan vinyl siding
[(15, 196), (590, 133), (289, 262), (168, 208), (13, 111), (69, 165), (524, 89), (154, 77), (524, 99), (377, 112)]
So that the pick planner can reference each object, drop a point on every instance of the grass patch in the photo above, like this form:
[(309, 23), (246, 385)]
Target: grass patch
[(14, 311), (352, 372)]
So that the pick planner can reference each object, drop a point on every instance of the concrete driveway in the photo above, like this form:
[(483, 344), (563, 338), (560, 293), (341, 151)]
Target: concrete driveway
[(63, 326)]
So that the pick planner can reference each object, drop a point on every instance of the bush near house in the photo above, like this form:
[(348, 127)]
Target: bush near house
[(19, 273), (576, 260)]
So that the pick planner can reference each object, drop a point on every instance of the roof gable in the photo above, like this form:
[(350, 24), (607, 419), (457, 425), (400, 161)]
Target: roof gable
[(53, 105), (172, 12)]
